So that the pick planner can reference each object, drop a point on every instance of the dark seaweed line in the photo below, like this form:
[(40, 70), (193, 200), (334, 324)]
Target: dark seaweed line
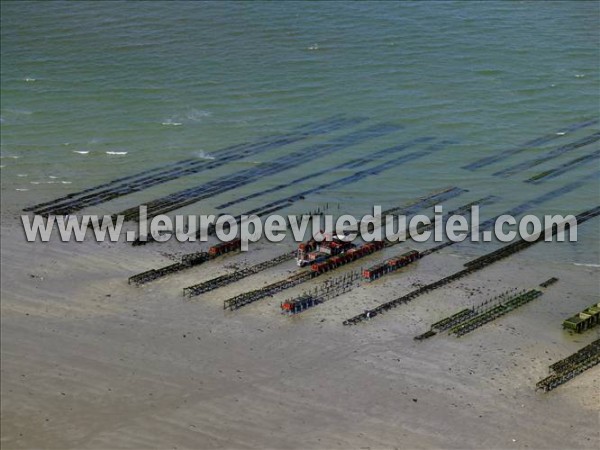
[(266, 209), (522, 243), (556, 193), (235, 156), (563, 168), (452, 192), (587, 140), (142, 176), (426, 202), (195, 194), (282, 203), (346, 165), (196, 167), (483, 162), (176, 170), (283, 163), (472, 267), (312, 127), (462, 210), (376, 170), (70, 197), (517, 210)]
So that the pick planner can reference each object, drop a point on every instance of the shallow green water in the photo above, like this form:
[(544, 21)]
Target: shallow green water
[(168, 81)]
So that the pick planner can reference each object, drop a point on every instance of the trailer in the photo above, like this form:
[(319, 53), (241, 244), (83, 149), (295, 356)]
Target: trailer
[(390, 265), (225, 247)]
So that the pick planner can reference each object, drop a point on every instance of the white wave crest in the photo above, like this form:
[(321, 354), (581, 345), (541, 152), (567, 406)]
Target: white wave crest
[(23, 112), (171, 123), (203, 155), (193, 115), (196, 115)]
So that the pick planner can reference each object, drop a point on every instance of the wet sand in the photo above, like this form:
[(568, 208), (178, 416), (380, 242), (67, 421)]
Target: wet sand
[(91, 362)]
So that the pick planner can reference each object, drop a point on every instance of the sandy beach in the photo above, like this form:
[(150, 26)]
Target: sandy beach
[(89, 361)]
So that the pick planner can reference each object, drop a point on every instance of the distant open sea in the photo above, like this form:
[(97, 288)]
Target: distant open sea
[(91, 91)]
